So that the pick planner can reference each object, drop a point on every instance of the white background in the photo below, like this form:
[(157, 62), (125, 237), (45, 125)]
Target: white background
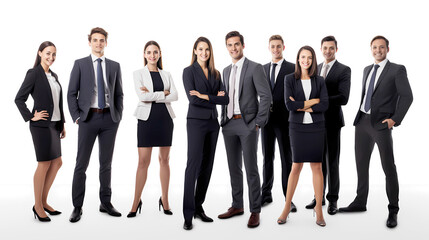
[(175, 25)]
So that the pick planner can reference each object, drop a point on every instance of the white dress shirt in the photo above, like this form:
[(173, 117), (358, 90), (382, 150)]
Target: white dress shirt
[(279, 65), (330, 64), (94, 100), (306, 86), (239, 65), (382, 64), (56, 91)]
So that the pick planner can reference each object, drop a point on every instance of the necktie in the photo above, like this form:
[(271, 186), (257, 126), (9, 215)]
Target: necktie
[(370, 90), (325, 71), (100, 85), (273, 75), (231, 92)]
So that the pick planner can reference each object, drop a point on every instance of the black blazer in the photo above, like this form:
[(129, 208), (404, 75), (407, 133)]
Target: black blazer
[(338, 85), (278, 108), (36, 83), (391, 98), (293, 87), (194, 79)]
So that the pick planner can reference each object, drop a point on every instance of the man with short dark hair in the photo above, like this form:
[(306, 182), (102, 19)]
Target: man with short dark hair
[(95, 100), (244, 81), (386, 98), (278, 121), (337, 79)]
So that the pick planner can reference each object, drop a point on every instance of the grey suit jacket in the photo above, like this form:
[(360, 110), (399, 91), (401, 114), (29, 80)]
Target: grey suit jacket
[(391, 98), (81, 89), (252, 84)]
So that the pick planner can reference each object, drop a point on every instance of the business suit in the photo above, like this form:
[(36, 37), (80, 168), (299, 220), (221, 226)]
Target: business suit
[(277, 127), (203, 131), (36, 84), (302, 134), (154, 111), (240, 133), (338, 85), (103, 124), (391, 98)]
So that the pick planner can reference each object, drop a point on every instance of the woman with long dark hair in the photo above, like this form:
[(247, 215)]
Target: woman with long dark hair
[(155, 90), (306, 99), (204, 89), (46, 124)]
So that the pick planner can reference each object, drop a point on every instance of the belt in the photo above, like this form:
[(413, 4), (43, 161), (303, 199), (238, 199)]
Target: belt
[(237, 116), (96, 110)]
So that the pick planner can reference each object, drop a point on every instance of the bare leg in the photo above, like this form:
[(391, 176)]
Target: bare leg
[(291, 186), (145, 154), (39, 182), (49, 180), (316, 168), (164, 174)]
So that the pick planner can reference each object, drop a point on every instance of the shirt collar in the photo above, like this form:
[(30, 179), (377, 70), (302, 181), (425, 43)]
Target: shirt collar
[(94, 58), (382, 63), (331, 63), (279, 63), (240, 62)]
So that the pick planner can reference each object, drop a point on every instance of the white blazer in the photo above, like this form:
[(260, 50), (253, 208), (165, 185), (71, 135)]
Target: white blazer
[(142, 78)]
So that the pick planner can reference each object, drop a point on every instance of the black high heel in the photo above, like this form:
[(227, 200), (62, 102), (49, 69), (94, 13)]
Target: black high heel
[(42, 219), (168, 211), (139, 209), (55, 212)]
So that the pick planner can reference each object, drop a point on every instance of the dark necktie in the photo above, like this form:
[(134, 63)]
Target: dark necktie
[(100, 85), (273, 75), (370, 90)]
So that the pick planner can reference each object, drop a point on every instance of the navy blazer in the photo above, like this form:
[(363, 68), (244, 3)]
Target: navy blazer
[(36, 83), (81, 89), (278, 109), (338, 85), (392, 96), (194, 79), (293, 87)]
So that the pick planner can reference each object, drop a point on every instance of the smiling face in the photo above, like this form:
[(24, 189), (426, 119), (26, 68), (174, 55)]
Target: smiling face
[(276, 48), (47, 56), (329, 49), (202, 52), (235, 48), (379, 50), (152, 54), (97, 44), (305, 60)]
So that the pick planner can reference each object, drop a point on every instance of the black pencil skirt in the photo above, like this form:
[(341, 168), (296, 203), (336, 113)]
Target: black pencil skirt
[(307, 141), (47, 142)]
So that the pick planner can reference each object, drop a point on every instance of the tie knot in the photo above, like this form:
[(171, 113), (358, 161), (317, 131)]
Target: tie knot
[(234, 66), (376, 66), (274, 64), (99, 60)]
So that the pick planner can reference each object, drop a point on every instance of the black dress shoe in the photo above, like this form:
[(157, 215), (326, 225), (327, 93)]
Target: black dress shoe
[(313, 204), (203, 217), (109, 209), (292, 207), (266, 200), (187, 225), (55, 212), (75, 216), (332, 208), (353, 208), (392, 220)]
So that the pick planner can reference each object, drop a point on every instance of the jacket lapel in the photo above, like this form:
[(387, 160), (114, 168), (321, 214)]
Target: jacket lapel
[(200, 72), (164, 79), (242, 75), (334, 66), (382, 75), (147, 79), (45, 81), (226, 77)]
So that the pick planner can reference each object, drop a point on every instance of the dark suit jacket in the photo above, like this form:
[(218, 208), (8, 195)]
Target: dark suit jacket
[(81, 89), (293, 87), (36, 83), (391, 98), (278, 107), (252, 84), (338, 85), (194, 79)]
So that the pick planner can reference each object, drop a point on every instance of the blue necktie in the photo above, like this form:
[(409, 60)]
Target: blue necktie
[(370, 91), (100, 85), (273, 75)]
